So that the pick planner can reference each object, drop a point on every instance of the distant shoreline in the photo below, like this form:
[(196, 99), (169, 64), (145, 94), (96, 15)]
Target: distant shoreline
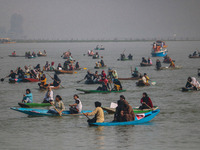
[(88, 41)]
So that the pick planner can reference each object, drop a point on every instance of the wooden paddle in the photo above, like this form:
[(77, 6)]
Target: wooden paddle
[(56, 81), (148, 106), (86, 115), (56, 109), (80, 80)]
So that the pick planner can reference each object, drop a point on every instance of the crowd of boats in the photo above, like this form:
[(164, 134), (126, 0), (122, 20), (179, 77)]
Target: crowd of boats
[(108, 82)]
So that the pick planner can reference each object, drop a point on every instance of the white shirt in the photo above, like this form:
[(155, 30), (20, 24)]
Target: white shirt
[(144, 79), (49, 95), (79, 105)]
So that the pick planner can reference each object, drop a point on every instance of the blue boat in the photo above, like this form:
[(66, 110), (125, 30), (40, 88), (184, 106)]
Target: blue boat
[(12, 80), (159, 49), (139, 119), (44, 112)]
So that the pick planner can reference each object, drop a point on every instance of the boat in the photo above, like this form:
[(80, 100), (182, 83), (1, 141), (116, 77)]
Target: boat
[(196, 56), (99, 48), (142, 84), (41, 55), (184, 89), (139, 119), (124, 59), (136, 110), (23, 80), (171, 68), (16, 56), (64, 71), (46, 87), (31, 57), (159, 49), (44, 112), (98, 91), (95, 57), (131, 78), (142, 64), (100, 67), (30, 105)]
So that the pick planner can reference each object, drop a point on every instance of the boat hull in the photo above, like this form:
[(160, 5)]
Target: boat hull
[(97, 91), (139, 119), (31, 105), (64, 71), (159, 53)]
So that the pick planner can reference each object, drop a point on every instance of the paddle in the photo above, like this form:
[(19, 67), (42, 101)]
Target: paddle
[(80, 80), (148, 106), (86, 115), (56, 109), (56, 81), (2, 79)]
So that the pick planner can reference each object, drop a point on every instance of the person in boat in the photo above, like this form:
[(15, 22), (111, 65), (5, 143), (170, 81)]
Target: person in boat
[(158, 64), (13, 53), (33, 74), (130, 57), (59, 66), (52, 66), (114, 75), (71, 67), (20, 73), (88, 77), (97, 47), (59, 106), (192, 83), (145, 79), (124, 112), (144, 60), (77, 65), (56, 81), (195, 53), (123, 56), (146, 102), (135, 73), (149, 61), (103, 74), (172, 64), (34, 54), (40, 53), (28, 97), (48, 96), (45, 52), (29, 54), (105, 86), (66, 65), (117, 85), (102, 63), (46, 65), (37, 67), (43, 81), (12, 74), (91, 53), (26, 69), (96, 55), (77, 106), (96, 77), (97, 113)]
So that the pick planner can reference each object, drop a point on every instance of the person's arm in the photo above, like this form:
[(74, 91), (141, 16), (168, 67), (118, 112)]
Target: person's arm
[(92, 113), (150, 103)]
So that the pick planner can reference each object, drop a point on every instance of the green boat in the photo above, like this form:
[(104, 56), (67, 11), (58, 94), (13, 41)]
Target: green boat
[(31, 105), (136, 110), (98, 91)]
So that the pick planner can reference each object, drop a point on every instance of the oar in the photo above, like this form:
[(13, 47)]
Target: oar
[(56, 81), (80, 80), (56, 109), (153, 82), (2, 79), (86, 115), (148, 106)]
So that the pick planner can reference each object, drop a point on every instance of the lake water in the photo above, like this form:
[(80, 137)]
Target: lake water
[(175, 127)]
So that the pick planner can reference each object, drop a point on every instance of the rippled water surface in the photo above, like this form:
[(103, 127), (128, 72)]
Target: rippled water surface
[(175, 127)]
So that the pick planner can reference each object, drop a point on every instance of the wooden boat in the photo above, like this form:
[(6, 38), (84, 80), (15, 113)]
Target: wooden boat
[(184, 89), (142, 64), (23, 80), (16, 56), (170, 68), (136, 110), (64, 71), (124, 59), (31, 57), (139, 119), (46, 87), (100, 67), (30, 105), (44, 112), (97, 91), (142, 84), (196, 56), (41, 55), (131, 78), (95, 57)]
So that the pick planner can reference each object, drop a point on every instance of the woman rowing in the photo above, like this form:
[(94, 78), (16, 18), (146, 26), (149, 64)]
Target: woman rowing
[(58, 105), (77, 106), (146, 102)]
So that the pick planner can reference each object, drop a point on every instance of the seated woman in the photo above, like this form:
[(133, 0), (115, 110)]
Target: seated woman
[(43, 81), (105, 86), (58, 105), (28, 97), (144, 60), (130, 57), (117, 85), (146, 102), (149, 61), (97, 113), (77, 106), (135, 73), (48, 96)]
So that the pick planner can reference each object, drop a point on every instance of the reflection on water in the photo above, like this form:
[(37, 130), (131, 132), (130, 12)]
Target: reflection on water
[(99, 137)]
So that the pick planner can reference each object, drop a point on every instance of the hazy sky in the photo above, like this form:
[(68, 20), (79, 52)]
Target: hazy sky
[(82, 19)]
